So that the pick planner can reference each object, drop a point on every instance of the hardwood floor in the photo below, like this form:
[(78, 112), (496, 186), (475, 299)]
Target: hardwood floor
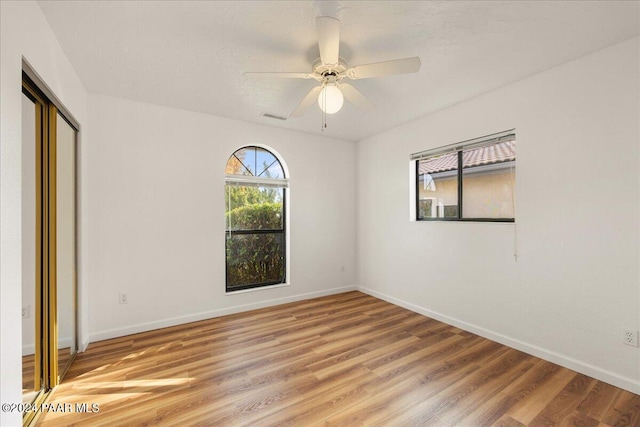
[(341, 360), (28, 378), (28, 372)]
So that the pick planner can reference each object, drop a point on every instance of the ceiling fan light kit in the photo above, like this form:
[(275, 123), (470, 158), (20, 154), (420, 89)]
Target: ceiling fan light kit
[(331, 98), (329, 70)]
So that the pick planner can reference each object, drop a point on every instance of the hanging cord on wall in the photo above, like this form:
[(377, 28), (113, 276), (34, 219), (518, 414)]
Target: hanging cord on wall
[(513, 207)]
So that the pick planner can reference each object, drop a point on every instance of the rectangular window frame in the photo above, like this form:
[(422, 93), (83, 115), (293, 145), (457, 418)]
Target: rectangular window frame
[(244, 181), (459, 148)]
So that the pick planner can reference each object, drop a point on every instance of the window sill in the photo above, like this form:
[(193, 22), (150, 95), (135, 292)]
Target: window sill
[(260, 288), (498, 220)]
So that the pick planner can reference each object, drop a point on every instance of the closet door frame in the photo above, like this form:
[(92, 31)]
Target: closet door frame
[(46, 372)]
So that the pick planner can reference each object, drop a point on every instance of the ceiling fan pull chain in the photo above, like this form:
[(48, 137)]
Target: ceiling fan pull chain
[(323, 126)]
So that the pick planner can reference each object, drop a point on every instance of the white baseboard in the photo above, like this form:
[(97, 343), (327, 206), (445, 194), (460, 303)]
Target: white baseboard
[(149, 326), (551, 356)]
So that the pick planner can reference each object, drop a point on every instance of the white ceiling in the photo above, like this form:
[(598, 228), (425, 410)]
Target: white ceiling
[(192, 55)]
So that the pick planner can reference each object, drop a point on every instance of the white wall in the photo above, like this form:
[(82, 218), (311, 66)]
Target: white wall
[(23, 32), (157, 215), (576, 284)]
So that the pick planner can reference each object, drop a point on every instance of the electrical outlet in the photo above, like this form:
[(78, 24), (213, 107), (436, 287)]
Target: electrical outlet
[(630, 338), (26, 311), (122, 298)]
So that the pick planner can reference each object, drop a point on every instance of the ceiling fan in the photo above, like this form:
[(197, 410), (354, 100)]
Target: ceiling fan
[(330, 70)]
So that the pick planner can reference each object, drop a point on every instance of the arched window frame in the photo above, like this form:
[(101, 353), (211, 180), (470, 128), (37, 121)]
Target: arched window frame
[(263, 182)]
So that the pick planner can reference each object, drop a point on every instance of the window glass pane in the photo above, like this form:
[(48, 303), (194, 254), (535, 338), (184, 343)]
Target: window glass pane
[(438, 187), (264, 162), (488, 177), (254, 259), (244, 163), (236, 167), (274, 170), (254, 208)]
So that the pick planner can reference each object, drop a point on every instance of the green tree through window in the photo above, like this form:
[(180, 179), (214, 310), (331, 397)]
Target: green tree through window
[(255, 219)]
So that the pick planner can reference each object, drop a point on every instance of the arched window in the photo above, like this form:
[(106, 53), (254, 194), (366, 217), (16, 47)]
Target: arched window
[(255, 190)]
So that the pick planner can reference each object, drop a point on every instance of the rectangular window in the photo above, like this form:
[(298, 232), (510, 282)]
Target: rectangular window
[(469, 181), (255, 236)]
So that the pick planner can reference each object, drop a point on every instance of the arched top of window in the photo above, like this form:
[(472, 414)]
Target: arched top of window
[(255, 162)]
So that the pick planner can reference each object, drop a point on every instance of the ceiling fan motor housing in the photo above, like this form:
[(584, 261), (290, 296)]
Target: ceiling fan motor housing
[(322, 71)]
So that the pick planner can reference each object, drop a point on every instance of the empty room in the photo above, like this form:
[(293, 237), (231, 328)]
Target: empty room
[(339, 213)]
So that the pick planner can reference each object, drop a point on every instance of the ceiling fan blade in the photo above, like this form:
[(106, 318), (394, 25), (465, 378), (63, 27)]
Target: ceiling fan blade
[(308, 101), (282, 75), (328, 29), (386, 68), (355, 97)]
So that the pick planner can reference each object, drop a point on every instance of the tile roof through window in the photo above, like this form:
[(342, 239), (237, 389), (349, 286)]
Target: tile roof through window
[(490, 154)]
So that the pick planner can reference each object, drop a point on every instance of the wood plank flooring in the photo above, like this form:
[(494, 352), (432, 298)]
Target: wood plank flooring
[(342, 360), (28, 372)]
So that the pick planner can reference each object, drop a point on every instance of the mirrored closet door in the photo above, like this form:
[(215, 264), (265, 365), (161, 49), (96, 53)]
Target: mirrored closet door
[(65, 243), (49, 255), (32, 381)]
